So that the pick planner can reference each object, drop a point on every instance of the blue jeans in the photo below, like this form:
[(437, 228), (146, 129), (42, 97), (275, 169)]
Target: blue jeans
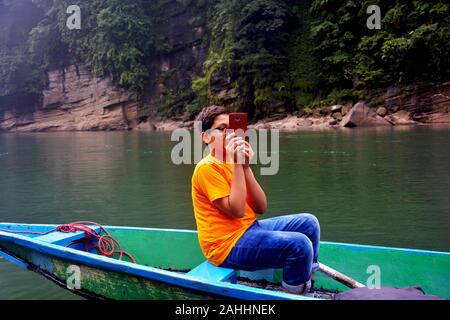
[(290, 242)]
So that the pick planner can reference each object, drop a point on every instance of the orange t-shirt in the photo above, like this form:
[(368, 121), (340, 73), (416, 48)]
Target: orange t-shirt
[(217, 231)]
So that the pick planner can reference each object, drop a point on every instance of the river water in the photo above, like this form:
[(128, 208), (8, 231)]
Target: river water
[(385, 187)]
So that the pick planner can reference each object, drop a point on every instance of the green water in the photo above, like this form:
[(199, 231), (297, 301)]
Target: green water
[(371, 186)]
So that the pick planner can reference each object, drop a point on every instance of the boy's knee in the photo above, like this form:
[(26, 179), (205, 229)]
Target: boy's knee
[(312, 218), (302, 245), (313, 223)]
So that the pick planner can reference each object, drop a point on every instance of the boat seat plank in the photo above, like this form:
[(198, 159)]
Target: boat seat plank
[(64, 238), (208, 271)]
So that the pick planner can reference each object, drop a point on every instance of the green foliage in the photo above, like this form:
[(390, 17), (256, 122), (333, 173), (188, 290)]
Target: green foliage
[(221, 49), (270, 95), (120, 42), (262, 34), (302, 50), (18, 73), (338, 96), (116, 36), (297, 53), (171, 103), (202, 89), (303, 72), (248, 40), (412, 45)]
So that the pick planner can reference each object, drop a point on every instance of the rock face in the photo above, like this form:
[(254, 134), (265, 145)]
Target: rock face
[(362, 115), (75, 100), (426, 102), (337, 116), (174, 70), (401, 117), (382, 111)]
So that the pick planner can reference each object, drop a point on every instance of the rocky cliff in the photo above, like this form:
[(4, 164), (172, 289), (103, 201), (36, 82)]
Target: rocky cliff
[(404, 105), (75, 100), (426, 102)]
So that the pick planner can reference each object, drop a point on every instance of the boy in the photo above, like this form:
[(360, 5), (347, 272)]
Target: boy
[(227, 198)]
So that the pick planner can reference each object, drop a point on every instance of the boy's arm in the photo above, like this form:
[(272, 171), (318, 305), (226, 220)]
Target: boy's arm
[(243, 184), (257, 197), (234, 204)]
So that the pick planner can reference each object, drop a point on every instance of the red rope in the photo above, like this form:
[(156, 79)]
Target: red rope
[(105, 244)]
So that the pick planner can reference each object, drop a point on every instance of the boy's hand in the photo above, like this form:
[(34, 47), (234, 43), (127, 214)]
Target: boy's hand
[(246, 153), (235, 147)]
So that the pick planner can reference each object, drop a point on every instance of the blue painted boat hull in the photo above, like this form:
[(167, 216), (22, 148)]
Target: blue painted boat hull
[(163, 275)]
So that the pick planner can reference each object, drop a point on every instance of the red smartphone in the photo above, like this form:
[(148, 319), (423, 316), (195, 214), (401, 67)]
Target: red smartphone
[(238, 121)]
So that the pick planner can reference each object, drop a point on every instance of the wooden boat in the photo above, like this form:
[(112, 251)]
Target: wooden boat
[(170, 265)]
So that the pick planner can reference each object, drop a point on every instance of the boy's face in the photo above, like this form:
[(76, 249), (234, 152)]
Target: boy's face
[(215, 137)]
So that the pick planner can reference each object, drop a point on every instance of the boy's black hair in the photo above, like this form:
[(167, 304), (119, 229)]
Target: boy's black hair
[(209, 114)]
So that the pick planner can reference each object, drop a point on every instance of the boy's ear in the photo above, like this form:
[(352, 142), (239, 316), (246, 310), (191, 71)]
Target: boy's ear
[(205, 138)]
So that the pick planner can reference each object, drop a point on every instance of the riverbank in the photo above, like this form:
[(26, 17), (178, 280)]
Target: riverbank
[(318, 120), (77, 100), (99, 107), (284, 122), (281, 122), (332, 118)]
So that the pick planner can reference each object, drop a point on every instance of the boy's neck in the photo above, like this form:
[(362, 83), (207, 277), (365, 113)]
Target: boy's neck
[(217, 155)]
